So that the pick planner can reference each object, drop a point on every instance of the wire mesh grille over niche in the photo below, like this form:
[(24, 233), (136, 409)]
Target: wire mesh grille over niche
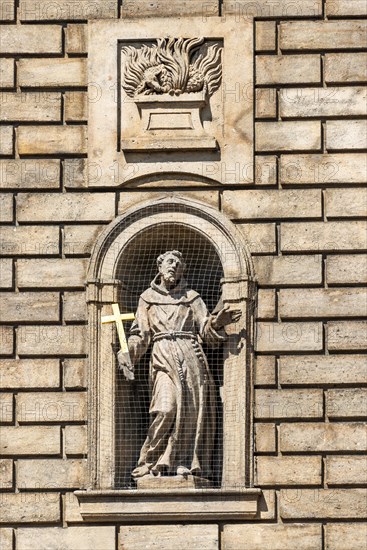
[(136, 270)]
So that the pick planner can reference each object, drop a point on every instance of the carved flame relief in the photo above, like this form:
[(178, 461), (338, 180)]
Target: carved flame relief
[(173, 66)]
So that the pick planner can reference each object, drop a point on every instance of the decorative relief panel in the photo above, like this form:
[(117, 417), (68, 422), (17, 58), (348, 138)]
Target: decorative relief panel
[(170, 82), (171, 100)]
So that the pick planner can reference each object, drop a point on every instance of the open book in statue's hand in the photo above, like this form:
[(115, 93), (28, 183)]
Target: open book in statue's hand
[(125, 365)]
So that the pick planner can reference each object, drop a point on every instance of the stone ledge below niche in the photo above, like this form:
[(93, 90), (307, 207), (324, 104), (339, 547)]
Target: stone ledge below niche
[(169, 504)]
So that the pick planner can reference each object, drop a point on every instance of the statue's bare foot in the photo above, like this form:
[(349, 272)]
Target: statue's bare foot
[(140, 471), (183, 471)]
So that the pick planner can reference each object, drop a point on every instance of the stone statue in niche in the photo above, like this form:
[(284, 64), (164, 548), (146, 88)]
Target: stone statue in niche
[(174, 318)]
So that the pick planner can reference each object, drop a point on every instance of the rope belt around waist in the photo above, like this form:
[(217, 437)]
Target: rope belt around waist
[(173, 335)]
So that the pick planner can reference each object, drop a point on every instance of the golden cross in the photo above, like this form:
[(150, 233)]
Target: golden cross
[(117, 318)]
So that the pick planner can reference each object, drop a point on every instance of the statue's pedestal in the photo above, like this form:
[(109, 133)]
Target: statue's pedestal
[(168, 504), (172, 482)]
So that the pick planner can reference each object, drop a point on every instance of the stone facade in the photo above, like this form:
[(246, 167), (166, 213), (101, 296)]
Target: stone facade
[(302, 216)]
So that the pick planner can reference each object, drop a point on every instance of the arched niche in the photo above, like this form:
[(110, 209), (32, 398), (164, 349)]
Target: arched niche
[(112, 261)]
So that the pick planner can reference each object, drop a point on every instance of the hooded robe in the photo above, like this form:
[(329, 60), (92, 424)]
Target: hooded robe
[(182, 407)]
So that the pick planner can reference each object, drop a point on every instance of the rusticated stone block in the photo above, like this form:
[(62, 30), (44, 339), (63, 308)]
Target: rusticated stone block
[(30, 173), (30, 106), (51, 340), (6, 73), (29, 240), (52, 73), (274, 337), (203, 536), (281, 8), (316, 236), (260, 237), (346, 470), (318, 437), (319, 169), (265, 367), (351, 335), (265, 36), (6, 476), (76, 39), (83, 538), (51, 407), (6, 538), (288, 404), (339, 8), (66, 474), (75, 440), (288, 136), (267, 204), (323, 303), (77, 173), (288, 270), (6, 208), (7, 10), (265, 170), (339, 536), (322, 102), (322, 369), (65, 207), (323, 503), (288, 470), (323, 35), (79, 239), (346, 269), (276, 537), (343, 203), (30, 306), (29, 373), (51, 140), (51, 273), (266, 103), (288, 69), (44, 10), (6, 340), (265, 437), (161, 8), (30, 440), (75, 306), (6, 140), (346, 67), (75, 375), (76, 106), (6, 408), (30, 508), (343, 134), (30, 39), (266, 304), (346, 403), (6, 273)]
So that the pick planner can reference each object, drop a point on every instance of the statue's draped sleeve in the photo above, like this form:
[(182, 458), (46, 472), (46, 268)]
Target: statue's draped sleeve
[(204, 323), (139, 338)]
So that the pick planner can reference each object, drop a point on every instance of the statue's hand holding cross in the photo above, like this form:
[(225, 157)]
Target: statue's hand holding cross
[(123, 355)]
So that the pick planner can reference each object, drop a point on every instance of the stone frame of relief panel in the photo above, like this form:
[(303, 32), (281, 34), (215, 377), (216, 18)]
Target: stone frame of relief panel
[(188, 138), (236, 498)]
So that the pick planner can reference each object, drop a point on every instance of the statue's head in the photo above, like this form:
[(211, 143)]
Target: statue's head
[(171, 266)]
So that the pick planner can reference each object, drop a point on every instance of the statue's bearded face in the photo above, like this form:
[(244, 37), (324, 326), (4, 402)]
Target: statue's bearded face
[(171, 269)]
